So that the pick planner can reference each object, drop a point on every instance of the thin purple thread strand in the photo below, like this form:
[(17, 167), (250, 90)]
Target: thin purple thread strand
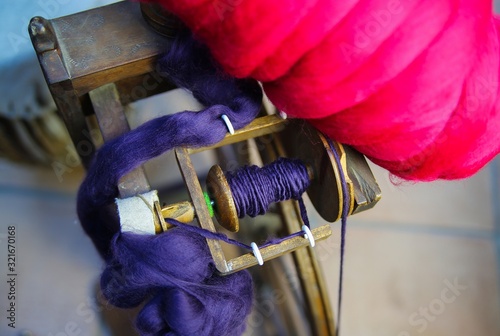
[(222, 237), (345, 213), (207, 233)]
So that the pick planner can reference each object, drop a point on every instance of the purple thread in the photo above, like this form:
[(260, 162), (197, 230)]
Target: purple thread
[(207, 233), (254, 188), (303, 212), (345, 212), (173, 273), (222, 237)]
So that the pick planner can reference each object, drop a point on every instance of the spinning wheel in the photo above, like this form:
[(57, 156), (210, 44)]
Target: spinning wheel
[(98, 61)]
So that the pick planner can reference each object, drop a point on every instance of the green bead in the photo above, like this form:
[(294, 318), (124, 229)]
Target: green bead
[(209, 204)]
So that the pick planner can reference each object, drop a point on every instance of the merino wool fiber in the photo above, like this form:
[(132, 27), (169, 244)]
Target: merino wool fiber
[(412, 84)]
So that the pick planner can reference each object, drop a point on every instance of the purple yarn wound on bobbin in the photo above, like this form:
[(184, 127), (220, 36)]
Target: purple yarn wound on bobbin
[(254, 188), (173, 273)]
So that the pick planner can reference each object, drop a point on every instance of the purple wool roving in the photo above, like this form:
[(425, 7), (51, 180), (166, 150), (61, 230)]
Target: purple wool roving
[(172, 273)]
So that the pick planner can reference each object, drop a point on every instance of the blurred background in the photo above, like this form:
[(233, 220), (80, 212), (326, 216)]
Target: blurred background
[(424, 261)]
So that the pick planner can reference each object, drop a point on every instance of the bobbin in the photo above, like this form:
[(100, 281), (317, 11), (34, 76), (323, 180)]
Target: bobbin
[(262, 126), (314, 150), (219, 201), (218, 189), (302, 141)]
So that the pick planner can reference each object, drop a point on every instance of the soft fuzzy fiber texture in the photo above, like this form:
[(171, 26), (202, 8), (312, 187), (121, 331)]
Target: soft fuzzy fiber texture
[(173, 273), (412, 84)]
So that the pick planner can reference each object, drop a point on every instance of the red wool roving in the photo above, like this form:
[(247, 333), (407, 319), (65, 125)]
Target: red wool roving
[(412, 84)]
